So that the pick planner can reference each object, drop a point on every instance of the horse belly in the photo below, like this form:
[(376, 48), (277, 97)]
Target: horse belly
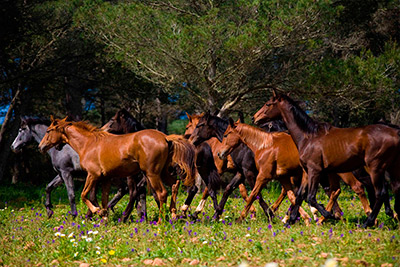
[(122, 169)]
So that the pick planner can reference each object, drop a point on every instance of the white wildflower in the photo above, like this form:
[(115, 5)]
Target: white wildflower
[(76, 254), (57, 234), (71, 235), (205, 242), (271, 264), (84, 237), (243, 264), (95, 232), (62, 235), (247, 235), (72, 240), (90, 232), (98, 252), (89, 239), (331, 263)]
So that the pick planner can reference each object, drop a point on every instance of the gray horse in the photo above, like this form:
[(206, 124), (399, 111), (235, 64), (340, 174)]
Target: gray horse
[(65, 162)]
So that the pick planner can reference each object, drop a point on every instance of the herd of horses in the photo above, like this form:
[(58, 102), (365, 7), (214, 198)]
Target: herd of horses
[(288, 146)]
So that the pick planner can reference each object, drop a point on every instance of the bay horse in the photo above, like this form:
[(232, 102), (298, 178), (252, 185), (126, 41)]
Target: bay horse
[(324, 148), (212, 127), (222, 166), (276, 157), (104, 155)]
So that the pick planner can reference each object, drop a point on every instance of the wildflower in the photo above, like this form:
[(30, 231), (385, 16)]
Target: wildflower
[(72, 240), (62, 235), (89, 239), (97, 252), (330, 263), (271, 264), (111, 252), (103, 260), (84, 237), (75, 244), (71, 235), (247, 235), (57, 234), (205, 242), (76, 254)]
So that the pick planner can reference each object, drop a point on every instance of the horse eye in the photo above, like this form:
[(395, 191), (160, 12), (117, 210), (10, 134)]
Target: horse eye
[(225, 136)]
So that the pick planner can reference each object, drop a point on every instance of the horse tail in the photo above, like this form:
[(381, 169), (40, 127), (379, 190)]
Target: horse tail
[(183, 154)]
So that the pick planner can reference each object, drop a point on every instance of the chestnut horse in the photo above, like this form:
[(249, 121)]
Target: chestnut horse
[(104, 155), (324, 149), (276, 155)]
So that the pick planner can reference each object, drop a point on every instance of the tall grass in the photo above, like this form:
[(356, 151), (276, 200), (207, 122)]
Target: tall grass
[(28, 238)]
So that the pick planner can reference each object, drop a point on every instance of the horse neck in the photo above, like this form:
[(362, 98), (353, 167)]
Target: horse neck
[(77, 138), (38, 131), (254, 138), (296, 123), (221, 126)]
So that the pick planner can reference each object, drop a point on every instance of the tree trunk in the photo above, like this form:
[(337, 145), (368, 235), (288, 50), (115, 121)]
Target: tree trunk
[(73, 99), (11, 128)]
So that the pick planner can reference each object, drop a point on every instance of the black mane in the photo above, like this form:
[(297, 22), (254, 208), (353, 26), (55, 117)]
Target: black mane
[(305, 122)]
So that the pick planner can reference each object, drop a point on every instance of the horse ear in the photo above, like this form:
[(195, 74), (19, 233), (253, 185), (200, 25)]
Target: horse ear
[(51, 118), (64, 120), (189, 117), (238, 121), (274, 94), (231, 122)]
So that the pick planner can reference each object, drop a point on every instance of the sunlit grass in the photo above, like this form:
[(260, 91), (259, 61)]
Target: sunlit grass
[(29, 238)]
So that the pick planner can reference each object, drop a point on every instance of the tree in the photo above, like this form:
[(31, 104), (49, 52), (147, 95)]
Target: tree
[(216, 53)]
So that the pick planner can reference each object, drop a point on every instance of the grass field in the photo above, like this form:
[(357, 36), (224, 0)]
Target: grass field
[(28, 238)]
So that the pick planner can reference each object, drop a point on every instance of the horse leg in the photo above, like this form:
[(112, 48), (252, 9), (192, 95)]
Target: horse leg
[(300, 196), (132, 197), (90, 184), (191, 194), (57, 181), (141, 208), (159, 189), (69, 184), (314, 177), (356, 185), (250, 176), (287, 186), (394, 174), (172, 206), (278, 202), (261, 180), (238, 179), (202, 203), (377, 178), (122, 191)]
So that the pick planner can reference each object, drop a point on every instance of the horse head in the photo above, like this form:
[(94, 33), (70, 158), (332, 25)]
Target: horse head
[(55, 134), (230, 141), (23, 138), (269, 111)]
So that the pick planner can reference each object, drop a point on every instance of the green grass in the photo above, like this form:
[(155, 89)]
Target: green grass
[(28, 238)]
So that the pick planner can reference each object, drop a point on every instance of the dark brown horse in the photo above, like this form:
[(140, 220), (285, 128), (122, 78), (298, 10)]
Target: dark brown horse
[(276, 156), (226, 165), (324, 149), (105, 155)]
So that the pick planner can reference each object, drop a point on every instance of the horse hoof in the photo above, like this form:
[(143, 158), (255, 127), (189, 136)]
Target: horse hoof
[(239, 220), (102, 213)]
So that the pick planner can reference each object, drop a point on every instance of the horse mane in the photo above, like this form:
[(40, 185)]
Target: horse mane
[(255, 136), (305, 122), (31, 120), (89, 128)]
